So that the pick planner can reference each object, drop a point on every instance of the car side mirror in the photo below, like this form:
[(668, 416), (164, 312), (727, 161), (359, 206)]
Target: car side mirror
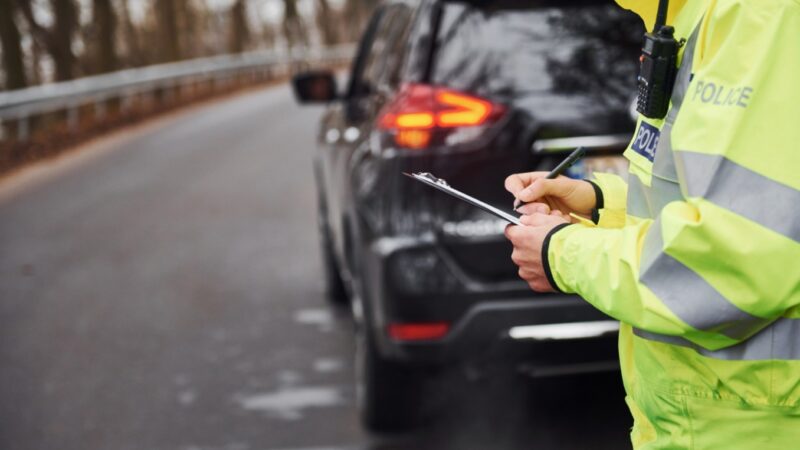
[(314, 87)]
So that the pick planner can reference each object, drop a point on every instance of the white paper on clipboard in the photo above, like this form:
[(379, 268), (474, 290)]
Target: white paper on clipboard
[(442, 185)]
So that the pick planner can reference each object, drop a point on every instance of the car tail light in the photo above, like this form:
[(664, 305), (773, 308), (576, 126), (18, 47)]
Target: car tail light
[(422, 112), (423, 331)]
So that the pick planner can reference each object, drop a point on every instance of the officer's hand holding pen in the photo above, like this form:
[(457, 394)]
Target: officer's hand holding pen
[(550, 198), (527, 241), (536, 189)]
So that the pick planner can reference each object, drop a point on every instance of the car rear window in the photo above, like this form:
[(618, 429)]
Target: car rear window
[(522, 50)]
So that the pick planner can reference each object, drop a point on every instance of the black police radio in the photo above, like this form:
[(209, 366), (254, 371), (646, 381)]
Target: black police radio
[(658, 67)]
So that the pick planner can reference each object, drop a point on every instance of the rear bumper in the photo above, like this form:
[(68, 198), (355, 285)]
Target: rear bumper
[(487, 321), (552, 331)]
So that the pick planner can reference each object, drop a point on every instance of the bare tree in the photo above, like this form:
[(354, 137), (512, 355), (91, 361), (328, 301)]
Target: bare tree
[(169, 41), (266, 34), (132, 42), (35, 73), (57, 39), (102, 31), (356, 13), (326, 23), (191, 27), (294, 30), (11, 42), (239, 35)]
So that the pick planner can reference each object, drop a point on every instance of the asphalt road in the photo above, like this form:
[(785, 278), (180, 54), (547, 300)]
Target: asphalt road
[(160, 289)]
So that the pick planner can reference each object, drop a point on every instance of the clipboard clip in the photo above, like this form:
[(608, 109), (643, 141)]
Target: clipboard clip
[(442, 185), (429, 177)]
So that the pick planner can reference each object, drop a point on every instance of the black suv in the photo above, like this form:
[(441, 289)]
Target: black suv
[(471, 92)]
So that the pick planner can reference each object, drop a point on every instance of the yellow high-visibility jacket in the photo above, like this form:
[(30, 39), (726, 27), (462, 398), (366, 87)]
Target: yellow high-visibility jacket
[(698, 254)]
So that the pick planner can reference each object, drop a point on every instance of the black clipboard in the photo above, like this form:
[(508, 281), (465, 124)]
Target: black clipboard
[(440, 184)]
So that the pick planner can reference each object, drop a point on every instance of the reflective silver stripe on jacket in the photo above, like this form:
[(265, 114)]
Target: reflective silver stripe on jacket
[(741, 190), (779, 341), (647, 202), (688, 295)]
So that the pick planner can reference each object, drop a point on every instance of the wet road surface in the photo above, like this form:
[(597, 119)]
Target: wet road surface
[(161, 290)]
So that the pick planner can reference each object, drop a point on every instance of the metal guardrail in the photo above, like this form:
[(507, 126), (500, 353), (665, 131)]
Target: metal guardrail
[(20, 105)]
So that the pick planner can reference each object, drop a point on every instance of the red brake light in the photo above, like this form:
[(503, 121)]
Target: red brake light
[(415, 120), (464, 110), (419, 110), (418, 331)]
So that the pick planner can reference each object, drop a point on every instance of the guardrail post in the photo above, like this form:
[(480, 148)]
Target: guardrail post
[(23, 129), (170, 93), (125, 103), (99, 109), (185, 88), (216, 82), (72, 117)]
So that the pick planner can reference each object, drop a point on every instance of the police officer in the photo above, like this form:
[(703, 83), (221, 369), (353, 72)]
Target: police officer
[(698, 253)]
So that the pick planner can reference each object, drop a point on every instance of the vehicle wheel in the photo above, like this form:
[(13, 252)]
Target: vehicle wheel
[(334, 286), (389, 394)]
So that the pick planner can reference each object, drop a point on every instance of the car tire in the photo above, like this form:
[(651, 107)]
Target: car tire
[(389, 394), (334, 285)]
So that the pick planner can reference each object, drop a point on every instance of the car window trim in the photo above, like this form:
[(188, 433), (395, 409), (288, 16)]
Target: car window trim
[(400, 34), (436, 20), (364, 48)]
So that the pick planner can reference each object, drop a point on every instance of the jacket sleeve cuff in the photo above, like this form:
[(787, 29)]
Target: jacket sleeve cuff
[(611, 192), (560, 257), (546, 257), (599, 200)]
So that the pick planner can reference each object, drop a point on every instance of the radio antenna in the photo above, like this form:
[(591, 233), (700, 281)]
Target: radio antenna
[(661, 16)]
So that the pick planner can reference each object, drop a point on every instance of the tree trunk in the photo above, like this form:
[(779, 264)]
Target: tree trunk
[(57, 39), (240, 30), (355, 12), (293, 28), (133, 54), (169, 49), (104, 22), (325, 23), (12, 49), (37, 52), (190, 29), (60, 45), (267, 34)]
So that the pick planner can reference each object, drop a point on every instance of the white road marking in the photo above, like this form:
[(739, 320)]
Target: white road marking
[(187, 397), (289, 403), (314, 316), (328, 365)]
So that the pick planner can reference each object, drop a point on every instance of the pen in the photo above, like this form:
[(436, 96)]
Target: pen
[(559, 169)]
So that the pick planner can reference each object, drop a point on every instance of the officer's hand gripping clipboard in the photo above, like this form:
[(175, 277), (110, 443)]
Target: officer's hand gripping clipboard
[(440, 184)]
